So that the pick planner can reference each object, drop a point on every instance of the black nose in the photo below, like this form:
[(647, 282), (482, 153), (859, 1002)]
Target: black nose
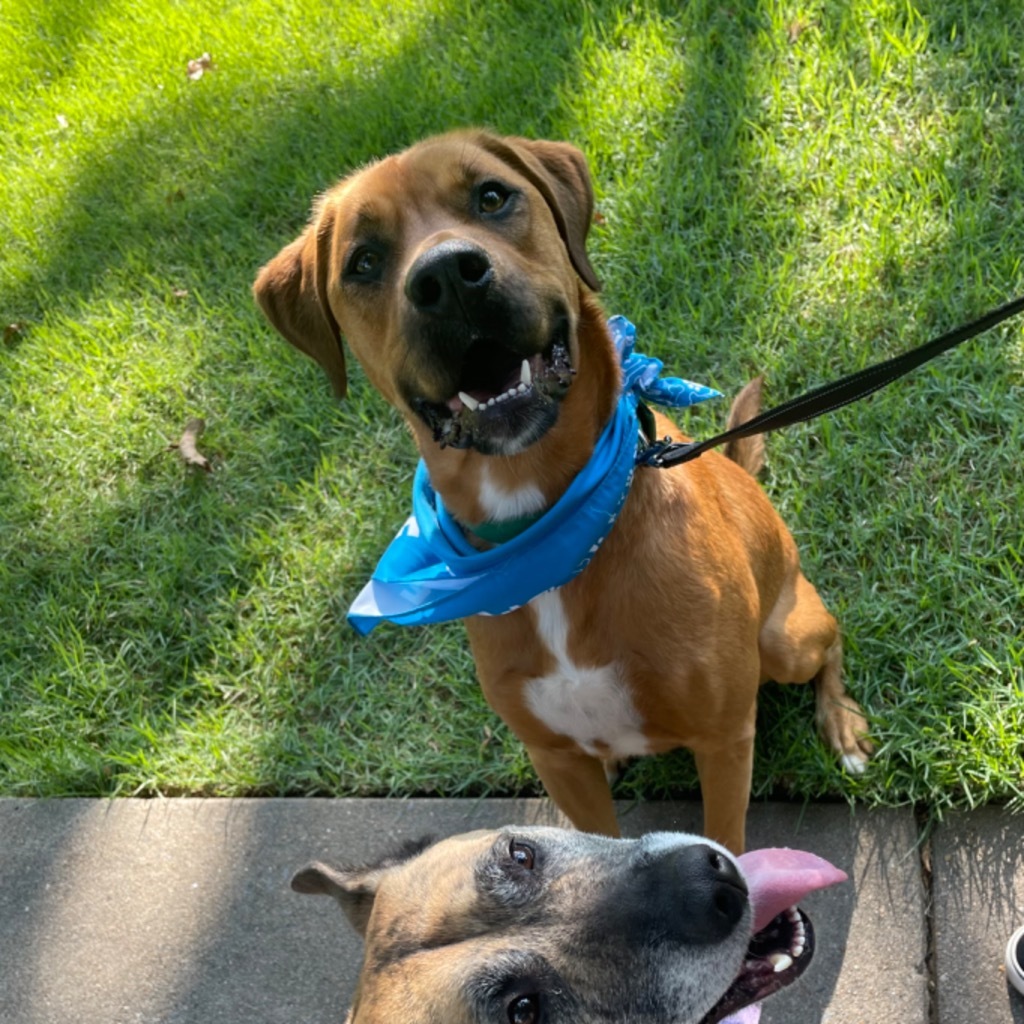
[(450, 278), (700, 893)]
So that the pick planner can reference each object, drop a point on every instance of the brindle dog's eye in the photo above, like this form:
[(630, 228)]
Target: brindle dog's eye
[(522, 854), (524, 1010), (493, 197)]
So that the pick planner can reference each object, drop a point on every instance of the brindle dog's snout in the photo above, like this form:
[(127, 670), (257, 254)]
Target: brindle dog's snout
[(689, 894), (450, 278), (719, 892)]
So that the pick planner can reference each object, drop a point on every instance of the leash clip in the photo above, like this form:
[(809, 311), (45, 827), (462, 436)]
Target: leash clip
[(654, 453), (666, 453), (661, 453)]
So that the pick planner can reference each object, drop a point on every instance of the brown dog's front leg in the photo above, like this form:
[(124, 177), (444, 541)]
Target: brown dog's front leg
[(725, 776), (578, 786)]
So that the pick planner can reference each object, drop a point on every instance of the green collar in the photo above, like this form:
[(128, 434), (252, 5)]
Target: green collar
[(506, 529)]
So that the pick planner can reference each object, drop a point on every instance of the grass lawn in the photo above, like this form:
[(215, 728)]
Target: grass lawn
[(794, 188)]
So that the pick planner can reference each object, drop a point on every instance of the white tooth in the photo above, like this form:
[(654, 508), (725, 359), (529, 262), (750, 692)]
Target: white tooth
[(501, 397), (488, 403), (522, 389), (524, 374), (780, 961), (469, 401), (797, 950)]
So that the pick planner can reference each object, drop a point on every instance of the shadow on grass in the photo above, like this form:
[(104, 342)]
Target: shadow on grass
[(123, 612)]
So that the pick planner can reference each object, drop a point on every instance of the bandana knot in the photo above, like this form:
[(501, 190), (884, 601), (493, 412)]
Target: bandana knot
[(642, 374)]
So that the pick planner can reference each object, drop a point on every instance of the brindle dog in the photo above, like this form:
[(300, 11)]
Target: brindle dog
[(532, 925)]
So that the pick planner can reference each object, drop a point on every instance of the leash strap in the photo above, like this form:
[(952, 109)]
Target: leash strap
[(666, 453)]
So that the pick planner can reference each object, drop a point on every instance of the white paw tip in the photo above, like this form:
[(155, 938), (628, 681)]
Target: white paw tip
[(855, 764)]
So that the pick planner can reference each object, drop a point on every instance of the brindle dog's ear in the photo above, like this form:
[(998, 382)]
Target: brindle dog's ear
[(559, 172), (355, 888), (292, 292)]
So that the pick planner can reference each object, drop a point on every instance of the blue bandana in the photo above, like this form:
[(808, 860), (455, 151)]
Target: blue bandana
[(431, 573)]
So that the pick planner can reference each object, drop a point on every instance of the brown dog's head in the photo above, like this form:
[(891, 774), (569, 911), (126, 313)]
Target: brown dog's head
[(453, 271), (542, 925)]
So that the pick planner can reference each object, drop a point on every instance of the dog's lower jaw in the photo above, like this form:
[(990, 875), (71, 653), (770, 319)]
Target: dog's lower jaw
[(507, 429), (508, 422)]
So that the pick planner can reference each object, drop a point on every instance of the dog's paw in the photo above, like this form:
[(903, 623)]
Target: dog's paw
[(854, 764), (845, 729)]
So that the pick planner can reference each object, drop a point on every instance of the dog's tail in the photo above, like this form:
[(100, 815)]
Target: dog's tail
[(747, 452)]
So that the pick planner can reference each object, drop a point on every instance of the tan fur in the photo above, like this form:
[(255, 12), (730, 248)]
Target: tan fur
[(696, 596), (747, 452)]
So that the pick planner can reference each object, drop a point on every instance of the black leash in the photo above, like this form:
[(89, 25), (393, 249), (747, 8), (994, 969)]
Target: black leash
[(666, 453)]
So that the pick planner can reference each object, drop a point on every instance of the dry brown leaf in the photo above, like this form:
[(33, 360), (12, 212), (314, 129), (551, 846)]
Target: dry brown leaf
[(796, 28), (187, 446), (198, 66)]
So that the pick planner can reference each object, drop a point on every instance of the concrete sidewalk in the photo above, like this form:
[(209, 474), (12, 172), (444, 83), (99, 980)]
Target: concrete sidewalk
[(179, 911)]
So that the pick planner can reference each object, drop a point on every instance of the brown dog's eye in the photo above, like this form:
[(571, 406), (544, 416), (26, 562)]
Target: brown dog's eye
[(522, 854), (524, 1010), (365, 263), (493, 197)]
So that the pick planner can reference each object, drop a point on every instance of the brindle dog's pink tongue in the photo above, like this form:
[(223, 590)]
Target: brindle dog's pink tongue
[(779, 879)]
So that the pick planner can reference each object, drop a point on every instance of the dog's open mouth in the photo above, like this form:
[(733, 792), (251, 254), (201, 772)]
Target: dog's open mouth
[(777, 955), (783, 941), (503, 401)]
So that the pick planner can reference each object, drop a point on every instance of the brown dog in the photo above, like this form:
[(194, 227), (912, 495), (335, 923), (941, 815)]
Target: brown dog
[(542, 924), (457, 271)]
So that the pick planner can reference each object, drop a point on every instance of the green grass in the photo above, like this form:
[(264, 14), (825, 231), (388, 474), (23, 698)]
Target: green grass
[(799, 189)]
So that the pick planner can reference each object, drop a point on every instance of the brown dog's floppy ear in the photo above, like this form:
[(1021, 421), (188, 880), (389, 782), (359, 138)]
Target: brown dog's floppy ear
[(559, 172), (292, 292)]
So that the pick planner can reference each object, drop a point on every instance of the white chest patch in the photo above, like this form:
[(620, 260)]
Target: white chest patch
[(499, 503), (589, 705)]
